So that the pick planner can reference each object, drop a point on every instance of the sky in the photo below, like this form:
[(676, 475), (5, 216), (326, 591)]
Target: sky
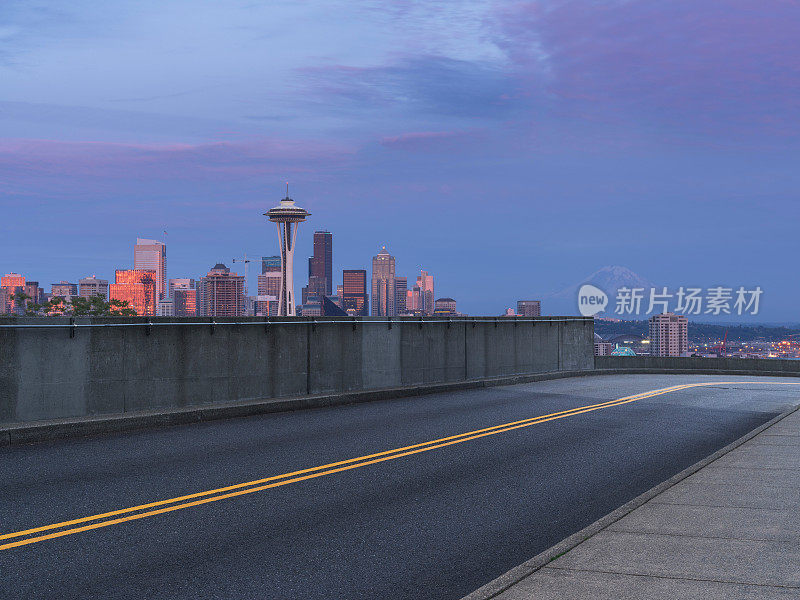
[(508, 148)]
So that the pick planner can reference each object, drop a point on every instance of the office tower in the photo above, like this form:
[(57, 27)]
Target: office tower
[(383, 289), (270, 264), (669, 335), (425, 285), (221, 293), (11, 284), (287, 217), (65, 289), (165, 308), (444, 306), (92, 286), (184, 301), (138, 288), (529, 308), (185, 283), (32, 289), (354, 297), (414, 301), (269, 287), (400, 292), (320, 266), (152, 255)]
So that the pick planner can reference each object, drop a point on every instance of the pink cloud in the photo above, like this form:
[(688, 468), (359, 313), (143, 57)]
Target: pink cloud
[(222, 159), (423, 140)]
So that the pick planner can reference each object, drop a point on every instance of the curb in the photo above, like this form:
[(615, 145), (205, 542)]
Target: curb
[(510, 578), (26, 433)]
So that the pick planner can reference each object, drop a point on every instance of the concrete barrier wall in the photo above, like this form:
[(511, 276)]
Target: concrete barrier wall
[(764, 366), (62, 372)]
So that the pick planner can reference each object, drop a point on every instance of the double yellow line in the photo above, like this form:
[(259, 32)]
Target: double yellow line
[(106, 519)]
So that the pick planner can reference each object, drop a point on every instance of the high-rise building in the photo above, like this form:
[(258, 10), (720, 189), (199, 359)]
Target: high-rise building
[(414, 301), (270, 264), (166, 308), (669, 335), (184, 302), (529, 308), (400, 292), (65, 289), (92, 286), (265, 303), (138, 288), (33, 290), (444, 306), (425, 285), (287, 216), (185, 283), (383, 290), (354, 297), (11, 284), (320, 266), (221, 293), (152, 255)]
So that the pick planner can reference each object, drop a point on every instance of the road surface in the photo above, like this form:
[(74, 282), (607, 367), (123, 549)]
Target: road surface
[(420, 498)]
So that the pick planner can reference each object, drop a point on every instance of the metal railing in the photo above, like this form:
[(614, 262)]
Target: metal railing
[(305, 321)]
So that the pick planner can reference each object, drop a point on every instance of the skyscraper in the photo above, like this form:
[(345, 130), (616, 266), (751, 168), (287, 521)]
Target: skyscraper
[(270, 264), (183, 293), (152, 255), (64, 289), (92, 286), (185, 283), (184, 301), (383, 290), (284, 216), (11, 284), (426, 298), (400, 291), (221, 293), (320, 266), (137, 287), (669, 335), (269, 287), (354, 298)]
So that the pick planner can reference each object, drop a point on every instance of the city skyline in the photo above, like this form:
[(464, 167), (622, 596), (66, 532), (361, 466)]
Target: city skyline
[(585, 137)]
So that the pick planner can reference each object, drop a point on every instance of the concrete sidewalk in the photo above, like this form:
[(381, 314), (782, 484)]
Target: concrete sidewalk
[(731, 530)]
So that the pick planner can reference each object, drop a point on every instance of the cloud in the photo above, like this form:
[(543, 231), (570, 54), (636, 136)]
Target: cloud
[(714, 67), (430, 140), (24, 158), (421, 86)]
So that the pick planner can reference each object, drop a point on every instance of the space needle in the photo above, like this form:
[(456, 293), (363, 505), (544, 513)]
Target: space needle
[(284, 216)]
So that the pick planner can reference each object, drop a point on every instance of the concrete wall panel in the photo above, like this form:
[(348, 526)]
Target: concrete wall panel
[(59, 372)]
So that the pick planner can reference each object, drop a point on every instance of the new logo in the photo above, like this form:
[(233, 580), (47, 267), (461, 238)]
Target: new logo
[(591, 300)]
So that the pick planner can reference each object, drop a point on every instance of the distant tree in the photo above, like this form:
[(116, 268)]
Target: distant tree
[(20, 301)]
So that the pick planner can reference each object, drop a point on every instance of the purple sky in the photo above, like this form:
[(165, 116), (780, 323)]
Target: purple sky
[(510, 148)]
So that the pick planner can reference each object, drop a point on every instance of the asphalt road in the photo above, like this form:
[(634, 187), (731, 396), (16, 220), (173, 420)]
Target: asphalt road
[(433, 524)]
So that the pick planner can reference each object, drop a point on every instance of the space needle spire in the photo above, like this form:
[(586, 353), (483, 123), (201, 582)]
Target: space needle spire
[(287, 216)]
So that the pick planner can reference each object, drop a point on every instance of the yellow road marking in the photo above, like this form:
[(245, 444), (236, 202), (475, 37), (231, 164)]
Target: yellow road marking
[(330, 468)]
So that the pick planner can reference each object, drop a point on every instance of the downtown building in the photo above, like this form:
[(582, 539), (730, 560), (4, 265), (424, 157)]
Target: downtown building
[(152, 255), (529, 308), (183, 294), (420, 299), (354, 296), (669, 335), (137, 287), (265, 303), (221, 293), (383, 285), (400, 293), (92, 286), (11, 284)]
